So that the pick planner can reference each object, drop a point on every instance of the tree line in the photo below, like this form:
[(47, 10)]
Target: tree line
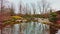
[(43, 6)]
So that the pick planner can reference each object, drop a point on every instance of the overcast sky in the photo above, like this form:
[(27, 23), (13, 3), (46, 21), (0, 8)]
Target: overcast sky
[(55, 4)]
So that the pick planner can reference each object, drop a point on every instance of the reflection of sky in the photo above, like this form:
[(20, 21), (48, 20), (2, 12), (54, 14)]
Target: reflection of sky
[(16, 29), (55, 4)]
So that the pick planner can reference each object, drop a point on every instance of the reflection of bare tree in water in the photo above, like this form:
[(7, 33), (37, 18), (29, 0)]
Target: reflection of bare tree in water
[(31, 28)]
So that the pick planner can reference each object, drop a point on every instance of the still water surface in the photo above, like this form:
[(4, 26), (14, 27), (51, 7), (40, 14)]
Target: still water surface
[(30, 28), (27, 28)]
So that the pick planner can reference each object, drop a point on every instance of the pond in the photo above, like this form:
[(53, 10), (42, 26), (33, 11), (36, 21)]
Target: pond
[(29, 28)]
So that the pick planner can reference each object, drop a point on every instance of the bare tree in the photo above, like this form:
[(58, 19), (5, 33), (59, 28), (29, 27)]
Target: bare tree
[(4, 3), (12, 9), (24, 10), (28, 10), (1, 5), (34, 9), (44, 6), (38, 4), (20, 8), (1, 14)]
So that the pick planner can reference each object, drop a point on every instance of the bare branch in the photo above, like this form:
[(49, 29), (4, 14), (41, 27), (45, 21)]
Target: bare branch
[(44, 6), (34, 9)]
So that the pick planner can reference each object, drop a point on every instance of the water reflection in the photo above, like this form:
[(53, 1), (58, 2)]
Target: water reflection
[(30, 28), (16, 28)]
